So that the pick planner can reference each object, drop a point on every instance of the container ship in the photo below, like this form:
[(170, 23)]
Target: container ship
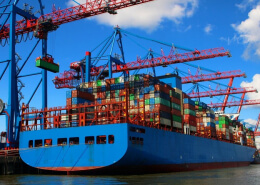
[(139, 123)]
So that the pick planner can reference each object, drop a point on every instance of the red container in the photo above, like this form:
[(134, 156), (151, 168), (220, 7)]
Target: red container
[(188, 106), (68, 101), (176, 112), (146, 96), (189, 117), (175, 100), (185, 95), (160, 107)]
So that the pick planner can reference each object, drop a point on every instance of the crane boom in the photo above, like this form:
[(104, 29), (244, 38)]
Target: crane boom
[(51, 21), (212, 76), (221, 92), (163, 61), (67, 81), (235, 103)]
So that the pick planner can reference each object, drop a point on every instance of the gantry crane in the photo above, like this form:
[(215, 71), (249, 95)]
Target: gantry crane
[(40, 28), (235, 103), (77, 72), (221, 92), (212, 76)]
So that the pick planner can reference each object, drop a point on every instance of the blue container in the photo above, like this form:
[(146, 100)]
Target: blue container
[(89, 90), (173, 81), (103, 88), (74, 101), (141, 90), (152, 101), (146, 90), (188, 101), (113, 87), (165, 115), (121, 86), (151, 107), (74, 124), (99, 100), (141, 96), (210, 124), (68, 94)]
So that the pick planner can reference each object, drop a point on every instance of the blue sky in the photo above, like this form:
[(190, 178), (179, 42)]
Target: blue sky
[(199, 24)]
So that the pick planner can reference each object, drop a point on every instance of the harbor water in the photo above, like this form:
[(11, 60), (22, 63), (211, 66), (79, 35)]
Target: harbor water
[(228, 176)]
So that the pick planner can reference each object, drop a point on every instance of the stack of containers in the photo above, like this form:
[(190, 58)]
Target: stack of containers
[(205, 119), (250, 138), (223, 130), (156, 101), (73, 98), (176, 103), (189, 116)]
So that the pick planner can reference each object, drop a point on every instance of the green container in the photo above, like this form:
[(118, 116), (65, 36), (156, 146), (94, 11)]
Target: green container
[(176, 118), (176, 95), (47, 66), (136, 78), (220, 126), (176, 106), (151, 119), (99, 83), (147, 101), (196, 102), (190, 112), (200, 108), (131, 97), (223, 122), (117, 80), (162, 101), (107, 94), (117, 93), (171, 93), (131, 84)]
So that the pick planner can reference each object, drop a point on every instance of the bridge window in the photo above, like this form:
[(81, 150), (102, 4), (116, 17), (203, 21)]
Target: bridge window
[(139, 130), (111, 139), (101, 140), (30, 143), (47, 142), (74, 141), (89, 140), (38, 143), (62, 141)]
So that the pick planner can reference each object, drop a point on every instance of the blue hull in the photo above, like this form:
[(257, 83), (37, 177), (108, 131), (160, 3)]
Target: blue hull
[(133, 147)]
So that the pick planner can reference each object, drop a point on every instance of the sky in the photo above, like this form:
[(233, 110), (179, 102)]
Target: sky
[(194, 24)]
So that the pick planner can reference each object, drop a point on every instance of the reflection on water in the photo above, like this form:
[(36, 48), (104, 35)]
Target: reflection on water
[(229, 176)]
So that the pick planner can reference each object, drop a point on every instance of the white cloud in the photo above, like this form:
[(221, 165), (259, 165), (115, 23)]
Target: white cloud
[(250, 123), (208, 28), (229, 40), (255, 83), (148, 16), (244, 4), (249, 30)]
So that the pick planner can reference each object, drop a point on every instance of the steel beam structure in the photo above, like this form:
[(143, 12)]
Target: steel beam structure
[(212, 76), (58, 17), (235, 103), (221, 92)]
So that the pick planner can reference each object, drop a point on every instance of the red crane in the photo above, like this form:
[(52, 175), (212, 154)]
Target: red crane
[(51, 21), (221, 92), (256, 127), (212, 76), (164, 60), (235, 103), (63, 82)]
